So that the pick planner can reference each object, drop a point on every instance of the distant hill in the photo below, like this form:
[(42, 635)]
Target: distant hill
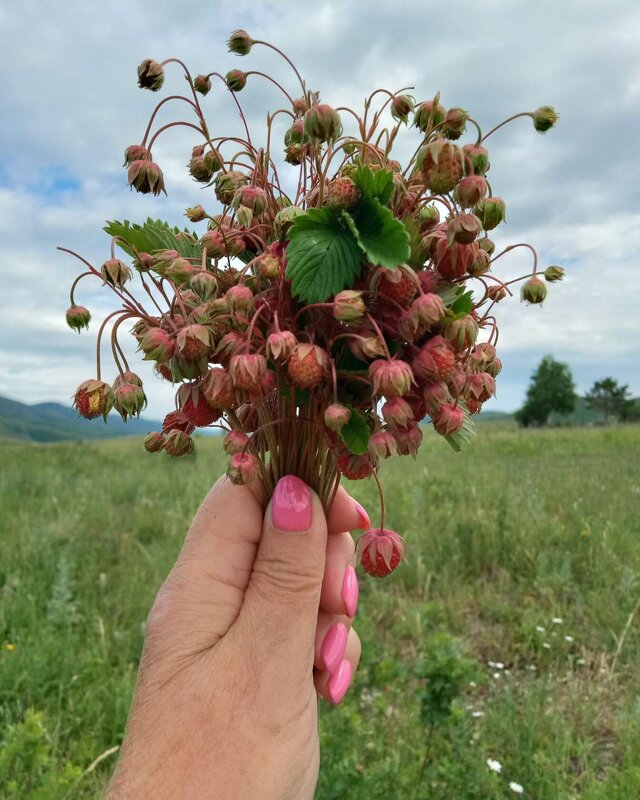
[(494, 416), (53, 422)]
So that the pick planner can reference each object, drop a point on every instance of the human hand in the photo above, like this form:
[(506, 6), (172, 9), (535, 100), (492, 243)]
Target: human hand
[(252, 623)]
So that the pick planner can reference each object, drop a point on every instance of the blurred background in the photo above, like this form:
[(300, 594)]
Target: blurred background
[(502, 660)]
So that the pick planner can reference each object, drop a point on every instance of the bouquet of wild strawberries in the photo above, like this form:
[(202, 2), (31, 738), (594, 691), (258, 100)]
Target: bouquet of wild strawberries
[(331, 305)]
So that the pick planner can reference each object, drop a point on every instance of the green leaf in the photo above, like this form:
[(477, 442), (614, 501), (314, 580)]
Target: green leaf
[(154, 235), (355, 433), (418, 254), (378, 184), (382, 237), (463, 304), (322, 257), (466, 433)]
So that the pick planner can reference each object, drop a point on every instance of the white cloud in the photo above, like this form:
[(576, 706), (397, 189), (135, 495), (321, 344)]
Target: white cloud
[(72, 105)]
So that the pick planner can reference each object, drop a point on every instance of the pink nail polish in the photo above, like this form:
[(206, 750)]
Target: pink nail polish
[(333, 646), (291, 505), (350, 590), (339, 682), (365, 522)]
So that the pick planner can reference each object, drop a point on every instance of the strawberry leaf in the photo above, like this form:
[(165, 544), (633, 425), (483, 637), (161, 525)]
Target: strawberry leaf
[(466, 433), (355, 433), (382, 237), (378, 184), (152, 236), (323, 256)]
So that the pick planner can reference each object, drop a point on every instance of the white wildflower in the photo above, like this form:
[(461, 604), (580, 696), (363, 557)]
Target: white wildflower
[(568, 638), (494, 766), (540, 629), (515, 787), (557, 621)]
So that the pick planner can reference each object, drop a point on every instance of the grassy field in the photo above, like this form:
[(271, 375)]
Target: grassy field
[(511, 634)]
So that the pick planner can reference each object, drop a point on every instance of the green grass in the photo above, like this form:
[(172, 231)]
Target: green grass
[(522, 528)]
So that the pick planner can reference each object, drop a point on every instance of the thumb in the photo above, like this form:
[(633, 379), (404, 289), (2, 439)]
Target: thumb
[(283, 594)]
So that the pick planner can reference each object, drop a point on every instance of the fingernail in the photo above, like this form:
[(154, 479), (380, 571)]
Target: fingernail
[(365, 522), (333, 646), (350, 590), (339, 682), (291, 505)]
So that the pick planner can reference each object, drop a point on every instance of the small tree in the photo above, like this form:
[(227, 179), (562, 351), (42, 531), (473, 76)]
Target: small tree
[(609, 398), (551, 389)]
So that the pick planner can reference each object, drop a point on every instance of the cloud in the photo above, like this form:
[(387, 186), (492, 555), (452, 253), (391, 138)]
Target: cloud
[(71, 106)]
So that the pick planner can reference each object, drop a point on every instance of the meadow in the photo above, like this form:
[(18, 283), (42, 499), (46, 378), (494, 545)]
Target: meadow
[(501, 660)]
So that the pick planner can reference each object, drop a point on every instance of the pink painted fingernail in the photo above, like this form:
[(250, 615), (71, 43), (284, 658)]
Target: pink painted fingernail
[(350, 590), (333, 646), (339, 682), (365, 522), (291, 505)]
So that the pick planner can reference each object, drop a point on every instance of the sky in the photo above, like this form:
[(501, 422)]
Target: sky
[(70, 105)]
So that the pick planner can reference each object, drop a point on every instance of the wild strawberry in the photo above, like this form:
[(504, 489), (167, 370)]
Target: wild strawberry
[(78, 317), (196, 408), (435, 395), (281, 345), (441, 164), (397, 413), (235, 442), (463, 228), (408, 439), (476, 158), (534, 291), (382, 445), (448, 419), (247, 370), (470, 191), (154, 442), (480, 386), (491, 211), (391, 378), (243, 468), (451, 260), (157, 345), (425, 311), (177, 421), (381, 551), (252, 197), (348, 306), (355, 467), (93, 398), (115, 272), (193, 342), (461, 333), (178, 443), (400, 284), (129, 400), (436, 361), (240, 299), (336, 416), (230, 344), (307, 366), (342, 193)]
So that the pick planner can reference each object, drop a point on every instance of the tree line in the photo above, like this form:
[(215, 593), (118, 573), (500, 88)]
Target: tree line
[(552, 390)]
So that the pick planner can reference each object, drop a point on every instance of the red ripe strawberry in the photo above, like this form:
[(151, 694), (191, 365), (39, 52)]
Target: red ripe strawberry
[(381, 550), (397, 284), (307, 366), (176, 420), (436, 360), (198, 411), (355, 467)]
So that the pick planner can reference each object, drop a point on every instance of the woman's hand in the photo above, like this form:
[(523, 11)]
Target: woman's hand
[(252, 623)]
